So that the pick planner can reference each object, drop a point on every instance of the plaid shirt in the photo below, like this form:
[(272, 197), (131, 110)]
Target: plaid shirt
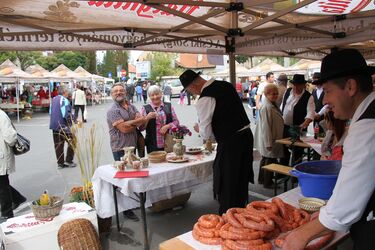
[(160, 122)]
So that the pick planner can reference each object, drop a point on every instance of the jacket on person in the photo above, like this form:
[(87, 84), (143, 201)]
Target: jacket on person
[(269, 129), (79, 97), (61, 114), (8, 137)]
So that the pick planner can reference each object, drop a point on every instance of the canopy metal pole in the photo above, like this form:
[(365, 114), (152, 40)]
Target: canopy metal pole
[(18, 101), (232, 69)]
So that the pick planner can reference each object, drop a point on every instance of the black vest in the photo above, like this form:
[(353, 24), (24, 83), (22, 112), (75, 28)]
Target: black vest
[(300, 109), (229, 114), (150, 139), (363, 231), (318, 101)]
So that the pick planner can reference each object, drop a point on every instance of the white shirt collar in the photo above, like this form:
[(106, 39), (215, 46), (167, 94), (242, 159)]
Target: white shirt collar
[(208, 83), (362, 107)]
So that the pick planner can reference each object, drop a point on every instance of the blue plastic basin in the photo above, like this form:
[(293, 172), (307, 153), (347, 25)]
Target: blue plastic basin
[(317, 178)]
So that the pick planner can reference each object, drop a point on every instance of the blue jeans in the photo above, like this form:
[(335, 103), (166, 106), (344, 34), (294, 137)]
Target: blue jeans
[(117, 155)]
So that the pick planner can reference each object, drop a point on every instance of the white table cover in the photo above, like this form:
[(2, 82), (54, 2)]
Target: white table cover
[(291, 197), (314, 143), (165, 181)]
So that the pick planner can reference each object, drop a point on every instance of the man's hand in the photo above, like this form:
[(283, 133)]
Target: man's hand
[(196, 127), (293, 241), (305, 124), (317, 117)]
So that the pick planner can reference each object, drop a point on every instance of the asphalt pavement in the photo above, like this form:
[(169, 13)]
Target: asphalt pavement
[(37, 171)]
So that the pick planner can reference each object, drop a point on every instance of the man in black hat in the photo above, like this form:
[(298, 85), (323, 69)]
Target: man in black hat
[(318, 95), (298, 110), (222, 117), (348, 91), (282, 85)]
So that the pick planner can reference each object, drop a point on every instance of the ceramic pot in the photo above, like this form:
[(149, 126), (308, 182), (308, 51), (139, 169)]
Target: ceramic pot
[(178, 148)]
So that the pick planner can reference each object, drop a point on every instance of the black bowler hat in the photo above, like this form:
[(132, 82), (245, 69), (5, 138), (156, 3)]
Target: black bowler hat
[(315, 78), (298, 79), (342, 63), (188, 77)]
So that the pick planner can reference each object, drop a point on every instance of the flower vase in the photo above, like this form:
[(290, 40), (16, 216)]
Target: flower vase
[(178, 148)]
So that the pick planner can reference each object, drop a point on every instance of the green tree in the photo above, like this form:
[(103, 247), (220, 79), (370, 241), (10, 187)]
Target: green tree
[(241, 59), (161, 65), (111, 59), (25, 58), (71, 59), (91, 61)]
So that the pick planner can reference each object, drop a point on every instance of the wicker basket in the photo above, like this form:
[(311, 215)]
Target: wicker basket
[(78, 234), (44, 212), (157, 156), (311, 205)]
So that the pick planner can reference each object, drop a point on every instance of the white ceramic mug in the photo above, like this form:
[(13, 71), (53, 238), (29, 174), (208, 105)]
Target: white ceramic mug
[(144, 162), (136, 164)]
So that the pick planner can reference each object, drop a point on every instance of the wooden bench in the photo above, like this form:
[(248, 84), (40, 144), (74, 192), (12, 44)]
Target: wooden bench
[(279, 169)]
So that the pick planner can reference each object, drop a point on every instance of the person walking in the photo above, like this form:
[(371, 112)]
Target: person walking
[(222, 117), (348, 91), (167, 92), (144, 92), (123, 119), (79, 102), (61, 120), (138, 91), (10, 198)]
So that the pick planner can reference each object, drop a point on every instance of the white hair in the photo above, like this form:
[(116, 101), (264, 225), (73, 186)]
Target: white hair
[(154, 89)]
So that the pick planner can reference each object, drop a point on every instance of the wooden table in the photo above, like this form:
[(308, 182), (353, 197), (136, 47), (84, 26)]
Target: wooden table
[(187, 242), (281, 169), (292, 145)]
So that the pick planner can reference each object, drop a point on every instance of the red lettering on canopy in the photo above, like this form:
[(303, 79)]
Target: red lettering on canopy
[(143, 10)]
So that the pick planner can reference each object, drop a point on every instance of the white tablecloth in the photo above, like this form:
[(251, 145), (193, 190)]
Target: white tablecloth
[(165, 181), (314, 143), (291, 197)]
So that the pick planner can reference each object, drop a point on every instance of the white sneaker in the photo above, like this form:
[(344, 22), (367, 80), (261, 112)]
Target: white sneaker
[(70, 164)]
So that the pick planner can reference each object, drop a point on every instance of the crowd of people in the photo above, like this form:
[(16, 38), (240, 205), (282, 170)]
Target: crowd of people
[(343, 104)]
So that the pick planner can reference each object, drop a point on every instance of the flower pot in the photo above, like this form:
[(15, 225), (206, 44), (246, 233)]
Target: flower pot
[(178, 148)]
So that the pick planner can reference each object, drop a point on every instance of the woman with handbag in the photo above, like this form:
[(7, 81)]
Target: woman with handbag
[(160, 117), (10, 198)]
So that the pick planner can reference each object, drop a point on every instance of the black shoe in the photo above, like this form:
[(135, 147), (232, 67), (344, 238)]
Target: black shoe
[(70, 164), (16, 204), (130, 215), (61, 166)]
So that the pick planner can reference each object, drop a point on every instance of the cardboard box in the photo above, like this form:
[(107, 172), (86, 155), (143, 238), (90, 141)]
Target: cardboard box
[(25, 232)]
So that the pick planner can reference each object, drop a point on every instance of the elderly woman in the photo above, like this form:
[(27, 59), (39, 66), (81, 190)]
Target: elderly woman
[(160, 117), (10, 198), (268, 130)]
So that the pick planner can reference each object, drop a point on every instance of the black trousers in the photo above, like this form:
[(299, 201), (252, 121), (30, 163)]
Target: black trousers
[(233, 170), (76, 111), (8, 195), (59, 139)]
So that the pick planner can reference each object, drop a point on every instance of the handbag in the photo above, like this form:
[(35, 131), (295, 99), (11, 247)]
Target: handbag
[(168, 143), (22, 144)]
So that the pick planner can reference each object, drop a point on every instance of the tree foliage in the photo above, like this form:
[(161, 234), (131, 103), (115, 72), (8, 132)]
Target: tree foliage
[(24, 58), (161, 64), (111, 59), (241, 59)]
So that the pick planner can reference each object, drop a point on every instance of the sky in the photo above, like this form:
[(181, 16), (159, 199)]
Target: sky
[(134, 54)]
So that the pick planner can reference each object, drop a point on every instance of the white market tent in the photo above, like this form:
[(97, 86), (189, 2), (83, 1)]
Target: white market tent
[(303, 66), (248, 27), (264, 67), (10, 73), (241, 71)]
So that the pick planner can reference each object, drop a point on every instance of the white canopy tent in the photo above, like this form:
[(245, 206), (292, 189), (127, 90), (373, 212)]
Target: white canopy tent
[(303, 66), (248, 27), (264, 67), (241, 71)]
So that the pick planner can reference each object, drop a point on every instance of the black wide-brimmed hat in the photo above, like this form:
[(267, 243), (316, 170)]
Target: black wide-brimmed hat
[(298, 79), (316, 76), (342, 63), (188, 77)]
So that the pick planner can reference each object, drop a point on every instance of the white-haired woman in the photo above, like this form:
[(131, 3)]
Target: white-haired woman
[(269, 129), (160, 118)]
